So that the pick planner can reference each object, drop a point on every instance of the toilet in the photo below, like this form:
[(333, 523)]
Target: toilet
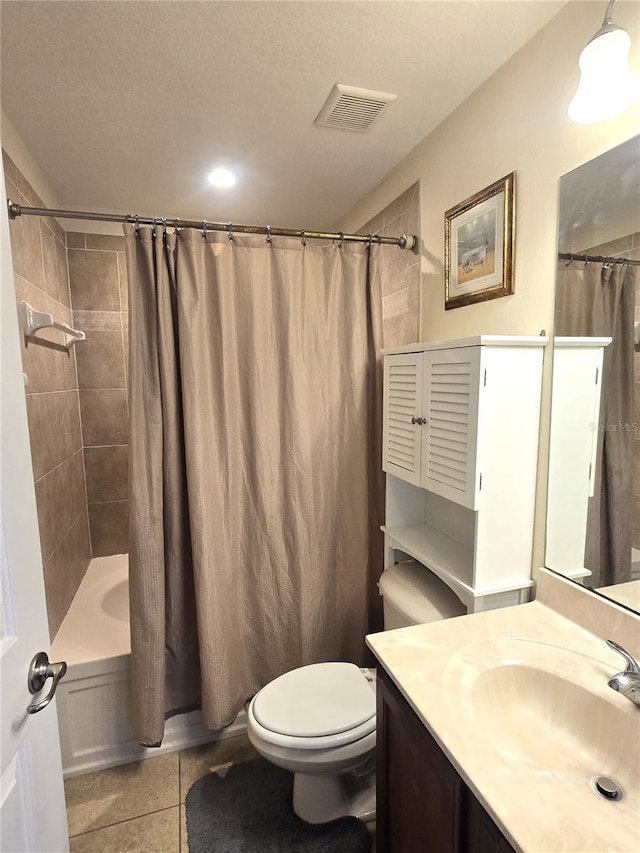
[(319, 721)]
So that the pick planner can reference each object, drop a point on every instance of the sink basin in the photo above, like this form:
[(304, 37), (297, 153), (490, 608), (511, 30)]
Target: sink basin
[(518, 700), (539, 717), (547, 710)]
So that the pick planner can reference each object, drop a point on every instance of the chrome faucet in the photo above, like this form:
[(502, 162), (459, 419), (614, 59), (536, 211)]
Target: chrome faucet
[(627, 682)]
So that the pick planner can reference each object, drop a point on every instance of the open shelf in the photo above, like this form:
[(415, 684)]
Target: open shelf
[(448, 559), (451, 561)]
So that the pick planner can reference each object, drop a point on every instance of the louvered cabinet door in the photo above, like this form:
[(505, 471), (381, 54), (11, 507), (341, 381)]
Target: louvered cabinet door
[(401, 438), (449, 438)]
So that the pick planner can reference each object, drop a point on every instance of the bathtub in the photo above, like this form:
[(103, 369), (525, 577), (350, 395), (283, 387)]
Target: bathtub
[(93, 699)]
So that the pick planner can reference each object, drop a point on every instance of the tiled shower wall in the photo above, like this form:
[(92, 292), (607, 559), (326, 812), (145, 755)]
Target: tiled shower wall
[(400, 270), (98, 279), (41, 278)]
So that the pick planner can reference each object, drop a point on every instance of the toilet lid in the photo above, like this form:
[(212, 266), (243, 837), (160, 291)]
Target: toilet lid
[(317, 700)]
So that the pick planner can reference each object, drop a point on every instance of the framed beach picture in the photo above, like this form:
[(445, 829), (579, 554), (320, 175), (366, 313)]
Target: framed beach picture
[(478, 248)]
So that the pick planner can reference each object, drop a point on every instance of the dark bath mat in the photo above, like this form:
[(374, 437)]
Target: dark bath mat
[(247, 809)]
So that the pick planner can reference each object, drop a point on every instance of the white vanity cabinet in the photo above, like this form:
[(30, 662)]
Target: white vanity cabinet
[(575, 411), (460, 446)]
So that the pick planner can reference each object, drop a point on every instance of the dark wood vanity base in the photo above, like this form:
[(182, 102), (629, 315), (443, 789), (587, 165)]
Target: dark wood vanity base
[(423, 806)]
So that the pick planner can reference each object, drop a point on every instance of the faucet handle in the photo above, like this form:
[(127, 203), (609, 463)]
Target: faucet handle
[(632, 666)]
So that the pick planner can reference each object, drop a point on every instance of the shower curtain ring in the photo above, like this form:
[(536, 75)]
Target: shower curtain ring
[(570, 261), (230, 230), (303, 237), (269, 234), (137, 225), (203, 229), (155, 222), (341, 239), (164, 224)]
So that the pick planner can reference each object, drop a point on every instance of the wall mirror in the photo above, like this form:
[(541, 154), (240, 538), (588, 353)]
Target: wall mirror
[(593, 507)]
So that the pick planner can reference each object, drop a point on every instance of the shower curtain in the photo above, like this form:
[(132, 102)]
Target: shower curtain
[(255, 483), (598, 300)]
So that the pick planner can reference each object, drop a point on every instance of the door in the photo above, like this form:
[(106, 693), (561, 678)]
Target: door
[(449, 437), (32, 811), (402, 416)]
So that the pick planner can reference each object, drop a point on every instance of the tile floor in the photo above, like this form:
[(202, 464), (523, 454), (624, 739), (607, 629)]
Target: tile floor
[(140, 807)]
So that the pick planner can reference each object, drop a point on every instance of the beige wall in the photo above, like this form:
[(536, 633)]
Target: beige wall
[(517, 120)]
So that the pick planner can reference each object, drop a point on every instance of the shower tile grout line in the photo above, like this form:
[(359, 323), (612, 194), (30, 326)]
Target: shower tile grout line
[(93, 446), (92, 249), (71, 455), (59, 391)]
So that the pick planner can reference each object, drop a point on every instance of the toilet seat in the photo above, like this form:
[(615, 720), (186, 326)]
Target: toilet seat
[(320, 706)]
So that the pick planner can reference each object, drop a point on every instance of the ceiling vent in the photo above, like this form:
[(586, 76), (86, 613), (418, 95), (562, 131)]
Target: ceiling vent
[(350, 108)]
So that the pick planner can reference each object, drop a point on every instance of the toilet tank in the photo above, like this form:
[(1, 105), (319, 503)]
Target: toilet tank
[(412, 595)]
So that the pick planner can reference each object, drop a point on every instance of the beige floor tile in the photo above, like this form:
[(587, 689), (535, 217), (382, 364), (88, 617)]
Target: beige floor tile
[(120, 793), (197, 761), (153, 833)]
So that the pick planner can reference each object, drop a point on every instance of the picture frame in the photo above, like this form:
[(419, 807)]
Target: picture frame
[(479, 245)]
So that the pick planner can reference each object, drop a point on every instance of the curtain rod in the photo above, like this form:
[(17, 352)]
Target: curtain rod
[(596, 259), (403, 241)]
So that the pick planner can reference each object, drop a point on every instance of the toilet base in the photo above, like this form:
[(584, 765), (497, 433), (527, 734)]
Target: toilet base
[(319, 797)]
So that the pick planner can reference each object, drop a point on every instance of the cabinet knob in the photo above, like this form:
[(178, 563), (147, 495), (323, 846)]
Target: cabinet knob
[(418, 421)]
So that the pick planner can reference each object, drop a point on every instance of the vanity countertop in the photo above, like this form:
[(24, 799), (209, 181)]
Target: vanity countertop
[(624, 593), (537, 790)]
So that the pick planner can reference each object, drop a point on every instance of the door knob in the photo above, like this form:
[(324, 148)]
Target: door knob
[(39, 670)]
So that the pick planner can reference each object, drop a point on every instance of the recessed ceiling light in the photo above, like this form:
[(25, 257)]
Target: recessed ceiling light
[(222, 178)]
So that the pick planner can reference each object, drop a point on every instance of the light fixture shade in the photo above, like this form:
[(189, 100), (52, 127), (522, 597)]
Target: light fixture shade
[(607, 84)]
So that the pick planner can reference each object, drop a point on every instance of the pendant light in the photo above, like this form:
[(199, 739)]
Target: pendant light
[(607, 84)]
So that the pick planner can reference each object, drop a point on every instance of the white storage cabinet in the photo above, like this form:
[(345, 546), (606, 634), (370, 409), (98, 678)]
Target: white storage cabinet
[(460, 446), (575, 412)]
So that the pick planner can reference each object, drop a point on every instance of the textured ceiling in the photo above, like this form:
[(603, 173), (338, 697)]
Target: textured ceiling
[(126, 106)]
